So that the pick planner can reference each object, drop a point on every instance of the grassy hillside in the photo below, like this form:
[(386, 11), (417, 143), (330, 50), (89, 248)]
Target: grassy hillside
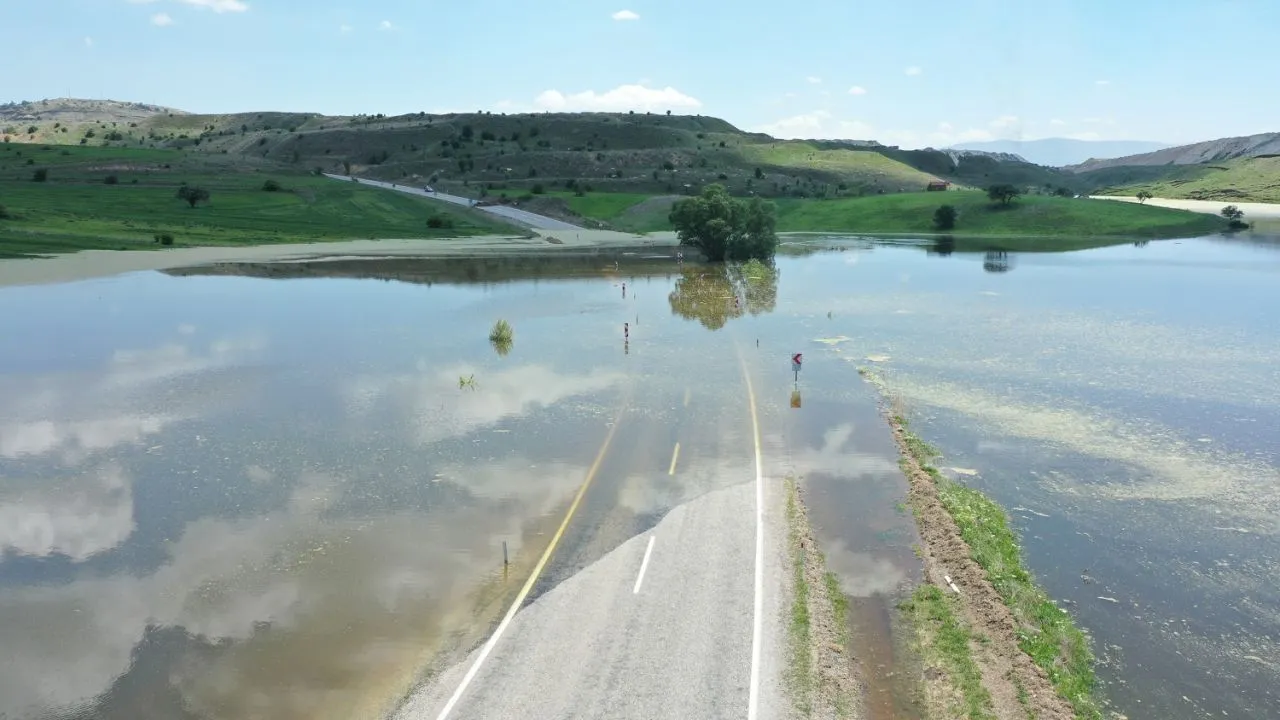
[(1242, 180), (76, 209), (1033, 216), (615, 152)]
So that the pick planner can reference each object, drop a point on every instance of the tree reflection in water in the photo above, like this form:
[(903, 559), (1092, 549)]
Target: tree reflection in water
[(716, 293), (997, 261)]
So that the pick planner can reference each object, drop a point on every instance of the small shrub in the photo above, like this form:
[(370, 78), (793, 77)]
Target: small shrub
[(271, 186), (4, 213), (111, 180), (438, 222), (944, 218), (41, 175), (164, 238), (31, 161), (538, 189)]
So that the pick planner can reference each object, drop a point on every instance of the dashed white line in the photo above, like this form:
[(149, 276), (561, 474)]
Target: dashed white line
[(675, 455), (644, 565)]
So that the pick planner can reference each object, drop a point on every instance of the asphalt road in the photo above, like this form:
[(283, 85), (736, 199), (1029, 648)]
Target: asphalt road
[(533, 220), (680, 619)]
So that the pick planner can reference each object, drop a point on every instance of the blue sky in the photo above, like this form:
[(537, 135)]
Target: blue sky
[(910, 72)]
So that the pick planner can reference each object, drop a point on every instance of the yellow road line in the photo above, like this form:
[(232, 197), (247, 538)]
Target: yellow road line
[(674, 456), (533, 578)]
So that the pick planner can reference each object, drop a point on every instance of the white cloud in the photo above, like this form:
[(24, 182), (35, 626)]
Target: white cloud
[(913, 70), (621, 98), (88, 42), (1057, 122), (77, 518), (857, 90), (1084, 136), (812, 80), (344, 29), (1101, 82), (161, 19), (817, 124), (218, 6), (625, 15), (385, 25), (945, 127)]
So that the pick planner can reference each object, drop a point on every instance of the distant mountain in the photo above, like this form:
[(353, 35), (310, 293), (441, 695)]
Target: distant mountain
[(75, 110), (1210, 151), (1060, 152)]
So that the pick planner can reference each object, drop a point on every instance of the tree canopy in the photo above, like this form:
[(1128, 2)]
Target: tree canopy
[(1003, 193), (726, 228), (193, 194)]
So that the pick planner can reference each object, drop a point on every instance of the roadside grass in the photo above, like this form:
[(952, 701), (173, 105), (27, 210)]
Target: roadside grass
[(946, 644), (1046, 632), (1238, 180), (799, 631), (598, 205), (1030, 217), (76, 210)]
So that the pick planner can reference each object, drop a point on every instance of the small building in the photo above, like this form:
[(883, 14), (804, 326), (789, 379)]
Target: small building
[(938, 186)]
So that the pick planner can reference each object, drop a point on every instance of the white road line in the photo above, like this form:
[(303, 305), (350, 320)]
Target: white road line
[(675, 455), (753, 696), (533, 577), (644, 565)]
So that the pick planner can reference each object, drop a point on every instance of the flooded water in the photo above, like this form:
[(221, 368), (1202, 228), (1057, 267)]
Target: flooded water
[(284, 491)]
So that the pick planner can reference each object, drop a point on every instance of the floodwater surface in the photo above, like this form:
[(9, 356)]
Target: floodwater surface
[(288, 490)]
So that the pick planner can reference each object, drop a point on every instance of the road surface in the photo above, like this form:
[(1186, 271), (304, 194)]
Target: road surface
[(1252, 211), (533, 220), (682, 619)]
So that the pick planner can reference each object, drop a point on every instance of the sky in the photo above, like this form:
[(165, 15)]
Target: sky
[(907, 72)]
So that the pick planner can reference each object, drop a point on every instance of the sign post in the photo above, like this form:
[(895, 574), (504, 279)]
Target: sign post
[(796, 360)]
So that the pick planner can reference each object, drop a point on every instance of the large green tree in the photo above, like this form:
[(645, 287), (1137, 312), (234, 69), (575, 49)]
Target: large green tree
[(726, 228)]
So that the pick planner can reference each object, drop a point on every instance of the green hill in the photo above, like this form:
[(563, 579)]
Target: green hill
[(615, 152), (1255, 179)]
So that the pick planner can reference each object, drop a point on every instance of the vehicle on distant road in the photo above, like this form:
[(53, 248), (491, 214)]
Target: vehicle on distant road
[(428, 188)]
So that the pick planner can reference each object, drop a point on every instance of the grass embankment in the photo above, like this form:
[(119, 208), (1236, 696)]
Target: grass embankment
[(1030, 217), (76, 210), (1239, 180), (1024, 225), (1044, 632), (819, 676)]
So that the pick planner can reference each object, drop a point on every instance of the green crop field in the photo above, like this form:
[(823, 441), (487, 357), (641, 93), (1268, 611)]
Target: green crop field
[(1030, 216), (76, 209)]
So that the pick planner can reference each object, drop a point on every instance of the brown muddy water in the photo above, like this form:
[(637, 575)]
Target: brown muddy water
[(284, 491)]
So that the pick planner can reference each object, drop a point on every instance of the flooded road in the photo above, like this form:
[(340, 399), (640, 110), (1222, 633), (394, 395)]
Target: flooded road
[(284, 490)]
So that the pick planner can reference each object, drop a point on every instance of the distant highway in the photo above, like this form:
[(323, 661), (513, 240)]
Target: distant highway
[(523, 217)]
